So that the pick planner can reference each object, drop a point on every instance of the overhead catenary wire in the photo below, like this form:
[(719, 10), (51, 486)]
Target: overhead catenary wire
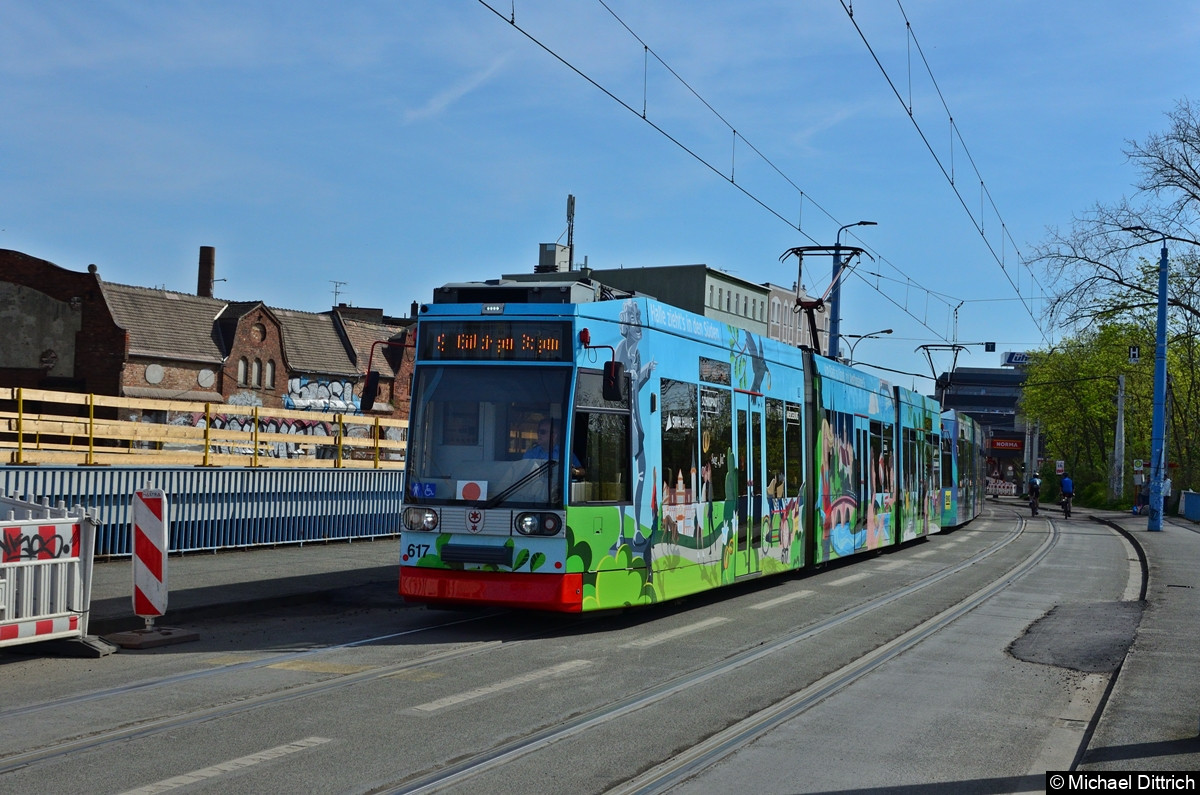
[(947, 169), (643, 114)]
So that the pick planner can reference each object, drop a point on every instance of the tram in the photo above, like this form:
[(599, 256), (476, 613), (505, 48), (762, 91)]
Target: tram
[(964, 468), (590, 456)]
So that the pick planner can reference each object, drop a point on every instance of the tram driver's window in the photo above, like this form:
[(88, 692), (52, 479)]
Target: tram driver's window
[(601, 441), (606, 458)]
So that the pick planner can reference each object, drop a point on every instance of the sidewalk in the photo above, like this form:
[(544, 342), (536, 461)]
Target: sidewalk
[(208, 585), (1152, 720)]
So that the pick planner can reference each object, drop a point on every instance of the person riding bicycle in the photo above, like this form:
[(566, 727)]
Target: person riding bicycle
[(1067, 488), (1035, 492)]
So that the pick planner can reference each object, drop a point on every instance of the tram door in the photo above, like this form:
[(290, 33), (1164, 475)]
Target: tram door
[(750, 482)]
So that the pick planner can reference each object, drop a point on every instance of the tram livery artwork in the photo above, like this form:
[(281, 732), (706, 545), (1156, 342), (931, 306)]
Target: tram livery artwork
[(601, 455)]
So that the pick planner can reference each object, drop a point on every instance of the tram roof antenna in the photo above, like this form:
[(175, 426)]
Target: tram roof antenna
[(809, 308)]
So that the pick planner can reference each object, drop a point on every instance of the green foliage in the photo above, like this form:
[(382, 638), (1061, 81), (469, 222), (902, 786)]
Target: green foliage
[(1071, 392)]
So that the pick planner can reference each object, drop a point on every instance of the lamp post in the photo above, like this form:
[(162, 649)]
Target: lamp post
[(1158, 424), (835, 301), (860, 337)]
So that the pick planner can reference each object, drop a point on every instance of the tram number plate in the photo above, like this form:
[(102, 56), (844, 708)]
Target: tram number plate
[(417, 550)]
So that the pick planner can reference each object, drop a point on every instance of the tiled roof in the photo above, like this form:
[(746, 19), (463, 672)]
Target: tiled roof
[(363, 336), (182, 326), (312, 344), (166, 324)]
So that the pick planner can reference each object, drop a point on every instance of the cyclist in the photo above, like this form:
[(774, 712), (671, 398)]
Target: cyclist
[(1067, 487), (1035, 492)]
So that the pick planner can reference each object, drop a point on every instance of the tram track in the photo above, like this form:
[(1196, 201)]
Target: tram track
[(11, 762), (474, 765), (685, 765), (728, 740)]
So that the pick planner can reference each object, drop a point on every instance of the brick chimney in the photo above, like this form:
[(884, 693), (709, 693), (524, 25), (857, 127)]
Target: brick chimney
[(208, 272)]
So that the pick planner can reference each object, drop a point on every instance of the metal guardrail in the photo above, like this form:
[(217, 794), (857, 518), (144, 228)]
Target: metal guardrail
[(224, 507)]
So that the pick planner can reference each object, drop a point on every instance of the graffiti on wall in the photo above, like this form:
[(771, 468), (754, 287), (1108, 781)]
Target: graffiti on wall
[(307, 394), (315, 438)]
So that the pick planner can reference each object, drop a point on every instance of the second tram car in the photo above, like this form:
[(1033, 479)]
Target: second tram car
[(591, 456)]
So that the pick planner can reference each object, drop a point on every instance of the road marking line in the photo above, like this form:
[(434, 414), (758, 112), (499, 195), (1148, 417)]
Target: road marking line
[(228, 767), (890, 565), (318, 667), (507, 684), (849, 578), (1133, 582), (662, 637), (780, 600)]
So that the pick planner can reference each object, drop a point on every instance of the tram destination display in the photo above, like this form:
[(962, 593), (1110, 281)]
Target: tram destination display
[(496, 340)]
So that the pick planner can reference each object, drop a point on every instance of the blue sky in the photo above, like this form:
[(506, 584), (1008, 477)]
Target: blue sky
[(395, 146)]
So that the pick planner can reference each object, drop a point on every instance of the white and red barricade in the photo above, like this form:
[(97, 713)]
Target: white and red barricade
[(45, 571), (149, 553)]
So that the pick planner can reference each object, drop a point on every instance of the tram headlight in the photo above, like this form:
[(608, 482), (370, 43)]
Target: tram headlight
[(417, 518), (538, 524)]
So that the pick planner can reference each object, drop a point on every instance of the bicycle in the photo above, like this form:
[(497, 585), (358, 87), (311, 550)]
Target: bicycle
[(1066, 505), (1033, 504)]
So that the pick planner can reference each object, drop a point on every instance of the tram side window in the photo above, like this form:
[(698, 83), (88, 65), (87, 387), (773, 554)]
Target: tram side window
[(716, 443), (794, 442), (776, 476), (601, 441), (947, 464), (680, 469)]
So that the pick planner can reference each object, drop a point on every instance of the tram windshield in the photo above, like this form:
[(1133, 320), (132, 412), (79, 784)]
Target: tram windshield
[(488, 436)]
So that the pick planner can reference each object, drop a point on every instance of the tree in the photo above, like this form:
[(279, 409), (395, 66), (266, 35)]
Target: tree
[(1104, 275), (1098, 267)]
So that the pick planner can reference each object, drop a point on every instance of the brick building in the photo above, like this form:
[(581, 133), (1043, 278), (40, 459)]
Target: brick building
[(73, 331)]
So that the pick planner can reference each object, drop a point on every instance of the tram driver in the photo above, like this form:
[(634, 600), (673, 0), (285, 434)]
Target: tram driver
[(547, 447)]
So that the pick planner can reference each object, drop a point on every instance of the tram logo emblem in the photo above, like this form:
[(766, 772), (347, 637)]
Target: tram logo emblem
[(474, 521)]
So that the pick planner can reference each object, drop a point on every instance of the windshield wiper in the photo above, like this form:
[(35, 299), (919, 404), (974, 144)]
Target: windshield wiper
[(502, 496)]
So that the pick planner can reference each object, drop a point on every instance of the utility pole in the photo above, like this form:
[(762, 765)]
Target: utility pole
[(570, 231), (1117, 479)]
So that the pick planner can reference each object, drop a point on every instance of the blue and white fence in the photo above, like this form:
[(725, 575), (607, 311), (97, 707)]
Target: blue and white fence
[(218, 508)]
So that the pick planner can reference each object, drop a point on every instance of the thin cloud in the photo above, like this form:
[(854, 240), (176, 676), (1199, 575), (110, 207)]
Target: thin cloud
[(443, 100)]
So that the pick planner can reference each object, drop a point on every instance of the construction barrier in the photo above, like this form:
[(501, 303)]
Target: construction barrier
[(149, 553), (1000, 488), (45, 571)]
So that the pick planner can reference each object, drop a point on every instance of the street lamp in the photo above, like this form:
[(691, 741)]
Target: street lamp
[(860, 337), (1158, 424), (835, 302)]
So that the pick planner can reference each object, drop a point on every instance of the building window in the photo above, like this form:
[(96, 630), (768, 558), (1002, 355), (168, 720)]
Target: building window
[(243, 365), (258, 373), (710, 295), (728, 298), (720, 297), (270, 373)]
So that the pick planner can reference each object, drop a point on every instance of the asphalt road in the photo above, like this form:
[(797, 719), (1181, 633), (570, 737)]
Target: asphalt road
[(972, 662)]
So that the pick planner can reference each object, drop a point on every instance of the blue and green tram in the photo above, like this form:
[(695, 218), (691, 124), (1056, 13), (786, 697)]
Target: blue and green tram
[(601, 455), (963, 469), (919, 439)]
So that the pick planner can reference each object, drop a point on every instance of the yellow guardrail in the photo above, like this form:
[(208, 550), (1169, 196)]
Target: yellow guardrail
[(88, 429)]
